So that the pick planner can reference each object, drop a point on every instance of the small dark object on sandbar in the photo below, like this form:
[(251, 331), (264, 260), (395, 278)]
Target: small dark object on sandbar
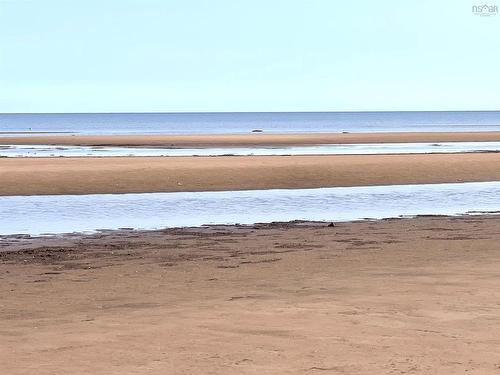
[(331, 225)]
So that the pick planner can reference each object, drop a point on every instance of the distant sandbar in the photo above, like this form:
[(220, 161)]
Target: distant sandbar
[(256, 139)]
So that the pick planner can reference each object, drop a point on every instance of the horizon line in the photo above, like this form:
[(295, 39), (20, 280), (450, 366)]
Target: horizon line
[(238, 112)]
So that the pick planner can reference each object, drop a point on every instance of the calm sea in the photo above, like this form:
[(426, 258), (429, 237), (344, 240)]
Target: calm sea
[(276, 122)]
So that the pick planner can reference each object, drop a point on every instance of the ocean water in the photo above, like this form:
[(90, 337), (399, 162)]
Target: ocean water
[(330, 149), (284, 122), (77, 213)]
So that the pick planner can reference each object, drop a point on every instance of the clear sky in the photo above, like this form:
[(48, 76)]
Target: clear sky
[(252, 55)]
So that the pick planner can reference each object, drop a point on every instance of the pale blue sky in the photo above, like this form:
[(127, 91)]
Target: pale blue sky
[(253, 55)]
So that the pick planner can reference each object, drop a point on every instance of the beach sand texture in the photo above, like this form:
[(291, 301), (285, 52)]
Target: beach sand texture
[(29, 176), (393, 296)]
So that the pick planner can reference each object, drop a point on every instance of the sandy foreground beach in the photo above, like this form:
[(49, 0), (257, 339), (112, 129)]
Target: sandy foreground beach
[(28, 176), (394, 296), (255, 139)]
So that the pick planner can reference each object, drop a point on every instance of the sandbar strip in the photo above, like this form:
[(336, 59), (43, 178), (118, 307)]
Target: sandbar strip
[(258, 139), (33, 176)]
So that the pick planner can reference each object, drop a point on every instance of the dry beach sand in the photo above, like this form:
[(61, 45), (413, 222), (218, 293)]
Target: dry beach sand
[(409, 296), (28, 176)]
